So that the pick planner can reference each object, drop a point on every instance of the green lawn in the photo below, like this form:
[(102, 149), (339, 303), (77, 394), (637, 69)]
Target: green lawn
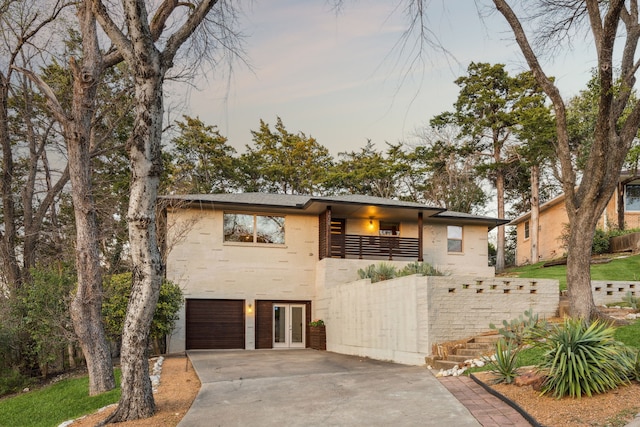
[(52, 405), (627, 268)]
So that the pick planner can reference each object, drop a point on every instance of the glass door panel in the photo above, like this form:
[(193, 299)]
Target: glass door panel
[(289, 326), (280, 328), (297, 324)]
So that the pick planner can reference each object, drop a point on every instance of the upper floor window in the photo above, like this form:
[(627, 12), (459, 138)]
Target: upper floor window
[(632, 197), (526, 230), (251, 228), (454, 238)]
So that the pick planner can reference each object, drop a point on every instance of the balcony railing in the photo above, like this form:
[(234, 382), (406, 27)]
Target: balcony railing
[(363, 247)]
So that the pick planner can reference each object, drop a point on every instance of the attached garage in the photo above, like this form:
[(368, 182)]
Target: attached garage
[(215, 324)]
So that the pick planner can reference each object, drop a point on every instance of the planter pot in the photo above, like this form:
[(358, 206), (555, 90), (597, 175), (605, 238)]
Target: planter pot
[(318, 337)]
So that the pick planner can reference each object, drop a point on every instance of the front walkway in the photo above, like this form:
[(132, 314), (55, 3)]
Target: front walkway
[(485, 407)]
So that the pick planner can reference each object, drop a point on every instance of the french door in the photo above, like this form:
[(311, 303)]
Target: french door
[(288, 325)]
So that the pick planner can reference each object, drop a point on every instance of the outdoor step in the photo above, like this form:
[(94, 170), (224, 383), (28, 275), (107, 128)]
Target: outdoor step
[(479, 346), (458, 358), (491, 339), (443, 364), (471, 353)]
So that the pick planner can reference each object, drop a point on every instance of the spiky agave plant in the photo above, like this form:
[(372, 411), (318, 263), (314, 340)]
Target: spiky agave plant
[(582, 358)]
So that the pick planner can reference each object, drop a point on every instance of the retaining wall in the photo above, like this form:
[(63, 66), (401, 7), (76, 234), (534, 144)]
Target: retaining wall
[(611, 292), (401, 319)]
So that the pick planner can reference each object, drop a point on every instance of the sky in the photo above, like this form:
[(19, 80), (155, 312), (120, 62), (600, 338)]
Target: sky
[(342, 78)]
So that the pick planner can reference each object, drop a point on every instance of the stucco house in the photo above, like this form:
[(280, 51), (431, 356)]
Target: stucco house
[(254, 266), (624, 204)]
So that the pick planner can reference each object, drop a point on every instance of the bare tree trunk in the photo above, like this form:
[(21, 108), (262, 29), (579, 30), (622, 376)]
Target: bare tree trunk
[(136, 400), (581, 302), (86, 306), (535, 213), (500, 262), (10, 265)]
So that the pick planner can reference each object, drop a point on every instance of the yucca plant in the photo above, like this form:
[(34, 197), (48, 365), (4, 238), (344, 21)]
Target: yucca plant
[(583, 358), (504, 365)]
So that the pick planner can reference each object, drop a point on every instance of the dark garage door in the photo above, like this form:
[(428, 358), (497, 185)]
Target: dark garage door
[(215, 324)]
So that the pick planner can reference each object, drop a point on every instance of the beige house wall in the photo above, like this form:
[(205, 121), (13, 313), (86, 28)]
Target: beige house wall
[(473, 260), (552, 223), (207, 268)]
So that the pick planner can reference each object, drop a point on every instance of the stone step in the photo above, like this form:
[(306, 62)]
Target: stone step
[(459, 358), (479, 346), (488, 339), (472, 353), (443, 364)]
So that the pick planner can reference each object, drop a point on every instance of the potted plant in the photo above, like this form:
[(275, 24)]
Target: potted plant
[(318, 334)]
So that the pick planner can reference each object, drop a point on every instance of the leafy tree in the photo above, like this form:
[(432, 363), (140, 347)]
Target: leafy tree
[(201, 160), (368, 171), (486, 112), (45, 302), (536, 132), (282, 162), (447, 167), (117, 293), (615, 126)]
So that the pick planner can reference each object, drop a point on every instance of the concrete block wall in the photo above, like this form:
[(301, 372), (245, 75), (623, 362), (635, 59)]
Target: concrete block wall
[(461, 307), (611, 292), (401, 319)]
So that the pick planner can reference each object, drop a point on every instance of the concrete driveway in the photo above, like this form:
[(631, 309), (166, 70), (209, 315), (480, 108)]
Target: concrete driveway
[(316, 388)]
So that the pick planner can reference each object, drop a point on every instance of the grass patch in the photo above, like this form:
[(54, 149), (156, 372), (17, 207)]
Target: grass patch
[(629, 334), (618, 269), (52, 405)]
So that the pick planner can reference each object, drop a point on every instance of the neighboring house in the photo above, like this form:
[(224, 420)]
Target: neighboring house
[(253, 265), (553, 221)]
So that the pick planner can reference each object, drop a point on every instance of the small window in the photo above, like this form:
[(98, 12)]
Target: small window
[(526, 230), (249, 228), (632, 197), (389, 228), (454, 238)]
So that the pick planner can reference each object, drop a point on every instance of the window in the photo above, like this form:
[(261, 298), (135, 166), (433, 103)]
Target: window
[(454, 238), (389, 229), (632, 197), (526, 230), (249, 228)]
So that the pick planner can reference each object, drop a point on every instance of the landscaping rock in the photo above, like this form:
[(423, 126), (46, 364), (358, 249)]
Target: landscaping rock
[(530, 378)]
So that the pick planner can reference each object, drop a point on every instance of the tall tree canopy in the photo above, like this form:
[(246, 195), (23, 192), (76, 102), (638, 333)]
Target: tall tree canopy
[(282, 162), (486, 111)]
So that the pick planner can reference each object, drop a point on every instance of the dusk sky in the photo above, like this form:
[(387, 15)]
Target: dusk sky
[(342, 78)]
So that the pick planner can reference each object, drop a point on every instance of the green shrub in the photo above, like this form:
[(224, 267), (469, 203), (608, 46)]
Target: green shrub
[(378, 273), (631, 300), (386, 271), (422, 268), (600, 243), (582, 358), (11, 381), (117, 289), (525, 329), (504, 365)]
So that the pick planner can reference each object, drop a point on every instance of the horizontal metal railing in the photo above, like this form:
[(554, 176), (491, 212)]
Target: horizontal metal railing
[(363, 247)]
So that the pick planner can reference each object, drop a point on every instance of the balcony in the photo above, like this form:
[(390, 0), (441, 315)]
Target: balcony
[(374, 247)]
